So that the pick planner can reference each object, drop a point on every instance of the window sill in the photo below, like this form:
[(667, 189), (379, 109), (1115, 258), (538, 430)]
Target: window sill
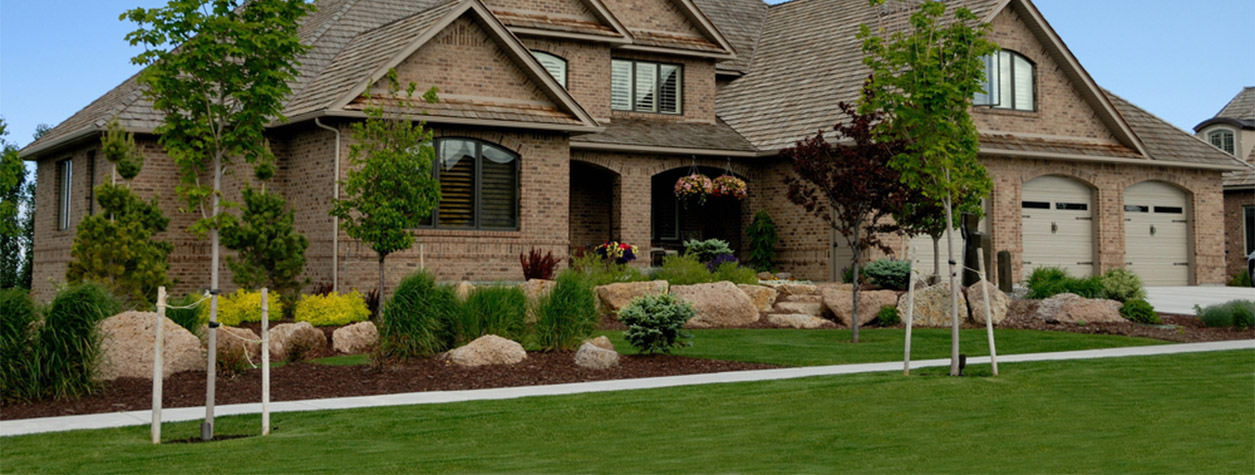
[(1007, 112), (470, 233)]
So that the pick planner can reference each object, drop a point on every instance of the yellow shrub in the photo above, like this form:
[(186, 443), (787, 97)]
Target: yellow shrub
[(332, 309), (242, 306)]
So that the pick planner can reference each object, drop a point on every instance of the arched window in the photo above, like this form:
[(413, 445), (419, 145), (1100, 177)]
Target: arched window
[(1010, 82), (479, 185), (554, 64), (1222, 139)]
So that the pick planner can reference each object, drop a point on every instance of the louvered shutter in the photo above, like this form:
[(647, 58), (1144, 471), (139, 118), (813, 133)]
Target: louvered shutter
[(457, 183), (669, 89), (621, 85), (499, 187)]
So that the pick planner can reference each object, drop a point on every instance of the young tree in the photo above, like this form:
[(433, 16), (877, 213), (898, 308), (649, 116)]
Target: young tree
[(219, 71), (923, 80), (850, 186), (271, 252), (923, 216), (12, 196), (391, 190)]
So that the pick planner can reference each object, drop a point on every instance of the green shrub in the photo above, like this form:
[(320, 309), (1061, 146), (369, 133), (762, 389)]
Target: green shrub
[(655, 323), (763, 238), (683, 270), (1239, 314), (706, 250), (1139, 311), (568, 314), (500, 311), (332, 309), (1241, 279), (17, 342), (1122, 285), (732, 272), (243, 306), (68, 341), (1046, 282), (597, 271), (186, 312), (415, 320), (892, 274), (888, 316)]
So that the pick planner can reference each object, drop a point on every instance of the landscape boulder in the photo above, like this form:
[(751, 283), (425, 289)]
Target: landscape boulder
[(126, 347), (786, 320), (840, 301), (488, 350), (595, 357), (763, 297), (1072, 308), (718, 305), (613, 297), (932, 307), (998, 302), (355, 338), (239, 345), (601, 342), (292, 341), (812, 305), (790, 289)]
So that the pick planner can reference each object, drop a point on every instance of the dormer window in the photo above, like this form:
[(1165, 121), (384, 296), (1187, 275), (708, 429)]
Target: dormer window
[(554, 64), (642, 86), (1009, 82), (1222, 139)]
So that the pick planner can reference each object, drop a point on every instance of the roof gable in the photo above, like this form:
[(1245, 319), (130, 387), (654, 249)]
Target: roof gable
[(580, 19), (672, 26)]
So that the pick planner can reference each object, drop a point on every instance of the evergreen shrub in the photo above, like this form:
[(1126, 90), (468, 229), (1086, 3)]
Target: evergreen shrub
[(655, 323), (1140, 311)]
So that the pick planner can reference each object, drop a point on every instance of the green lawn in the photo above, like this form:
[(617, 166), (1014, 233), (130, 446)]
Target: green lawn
[(1170, 414), (828, 347)]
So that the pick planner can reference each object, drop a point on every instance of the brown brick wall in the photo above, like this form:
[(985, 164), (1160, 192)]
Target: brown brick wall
[(588, 71), (566, 9), (1235, 254), (657, 16)]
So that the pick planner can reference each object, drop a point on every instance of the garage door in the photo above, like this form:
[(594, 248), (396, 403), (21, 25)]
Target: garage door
[(1058, 225), (1156, 234)]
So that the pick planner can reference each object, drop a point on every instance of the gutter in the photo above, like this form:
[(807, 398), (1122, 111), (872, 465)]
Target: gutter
[(1124, 161), (335, 223), (610, 147)]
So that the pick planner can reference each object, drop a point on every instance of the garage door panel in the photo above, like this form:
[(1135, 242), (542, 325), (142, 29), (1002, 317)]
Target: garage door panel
[(1156, 234), (1057, 225)]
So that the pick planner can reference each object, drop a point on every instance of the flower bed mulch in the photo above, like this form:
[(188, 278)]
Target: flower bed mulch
[(312, 381)]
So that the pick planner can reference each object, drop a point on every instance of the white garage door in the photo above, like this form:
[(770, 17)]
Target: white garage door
[(1156, 234), (1058, 225)]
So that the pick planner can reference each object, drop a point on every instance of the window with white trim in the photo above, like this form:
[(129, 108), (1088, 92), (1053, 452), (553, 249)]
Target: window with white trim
[(1010, 82), (65, 182), (479, 185), (1222, 139), (643, 86), (554, 64)]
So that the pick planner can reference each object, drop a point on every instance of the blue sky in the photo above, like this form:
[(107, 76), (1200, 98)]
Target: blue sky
[(1181, 60)]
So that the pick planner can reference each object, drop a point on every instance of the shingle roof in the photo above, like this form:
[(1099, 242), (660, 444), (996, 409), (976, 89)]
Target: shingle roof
[(1167, 143), (741, 22), (1242, 107), (717, 136)]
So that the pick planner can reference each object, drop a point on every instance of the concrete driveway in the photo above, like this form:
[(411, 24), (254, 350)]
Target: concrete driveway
[(1181, 300)]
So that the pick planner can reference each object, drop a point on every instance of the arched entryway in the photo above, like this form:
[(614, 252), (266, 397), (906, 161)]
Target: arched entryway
[(674, 222), (591, 205)]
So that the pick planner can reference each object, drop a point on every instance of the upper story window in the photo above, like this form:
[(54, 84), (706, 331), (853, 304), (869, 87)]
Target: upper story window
[(65, 182), (1009, 82), (643, 86), (479, 185), (554, 64), (1222, 139)]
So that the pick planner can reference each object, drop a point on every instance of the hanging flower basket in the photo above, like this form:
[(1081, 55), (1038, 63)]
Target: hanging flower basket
[(619, 252), (729, 186), (693, 187)]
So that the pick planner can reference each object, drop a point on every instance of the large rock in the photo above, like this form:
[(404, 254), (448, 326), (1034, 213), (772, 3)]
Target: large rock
[(595, 357), (932, 307), (811, 305), (998, 302), (601, 342), (291, 341), (126, 347), (613, 297), (789, 289), (763, 297), (840, 301), (488, 350), (355, 338), (718, 305), (238, 345), (785, 320), (1072, 308)]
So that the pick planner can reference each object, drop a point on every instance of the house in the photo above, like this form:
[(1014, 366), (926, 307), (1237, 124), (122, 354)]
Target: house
[(565, 123), (1233, 131)]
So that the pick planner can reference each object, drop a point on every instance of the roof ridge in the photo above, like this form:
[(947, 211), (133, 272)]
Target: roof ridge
[(308, 79)]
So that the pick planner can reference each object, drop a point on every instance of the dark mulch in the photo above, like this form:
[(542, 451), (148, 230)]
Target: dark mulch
[(312, 381), (1176, 328)]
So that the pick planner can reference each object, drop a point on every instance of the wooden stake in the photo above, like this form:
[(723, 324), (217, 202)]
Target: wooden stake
[(265, 364), (158, 366), (989, 318), (910, 309)]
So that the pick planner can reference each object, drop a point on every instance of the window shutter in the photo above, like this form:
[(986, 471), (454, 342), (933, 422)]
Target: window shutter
[(1023, 84), (669, 89), (457, 183), (499, 188), (621, 85), (646, 83)]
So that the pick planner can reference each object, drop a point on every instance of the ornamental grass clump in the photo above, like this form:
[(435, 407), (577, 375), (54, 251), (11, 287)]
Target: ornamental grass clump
[(69, 345), (332, 309), (244, 306), (1139, 311), (683, 270), (17, 342), (734, 273), (1122, 285), (500, 311), (415, 320), (655, 323), (1239, 314), (567, 315), (1046, 282)]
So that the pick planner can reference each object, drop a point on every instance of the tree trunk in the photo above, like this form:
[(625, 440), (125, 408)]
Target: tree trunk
[(854, 307), (936, 259), (207, 429), (379, 309), (954, 288)]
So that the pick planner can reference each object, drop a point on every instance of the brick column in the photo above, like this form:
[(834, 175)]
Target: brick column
[(1109, 228)]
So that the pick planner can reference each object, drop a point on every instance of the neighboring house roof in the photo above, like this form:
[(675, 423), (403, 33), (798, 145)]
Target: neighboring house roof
[(697, 137), (741, 21), (1164, 142)]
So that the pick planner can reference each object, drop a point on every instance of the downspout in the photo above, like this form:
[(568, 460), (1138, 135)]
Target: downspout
[(335, 223)]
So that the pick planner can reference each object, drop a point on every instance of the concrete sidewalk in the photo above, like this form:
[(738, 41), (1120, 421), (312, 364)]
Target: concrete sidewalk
[(1181, 300), (134, 418)]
